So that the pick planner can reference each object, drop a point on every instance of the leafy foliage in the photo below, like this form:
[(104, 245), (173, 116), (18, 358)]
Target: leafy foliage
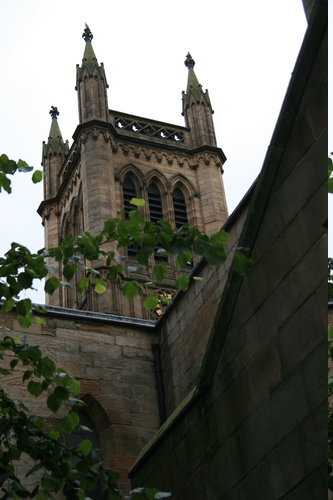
[(19, 267), (24, 435)]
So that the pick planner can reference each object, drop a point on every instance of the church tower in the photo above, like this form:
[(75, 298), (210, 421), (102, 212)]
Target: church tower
[(116, 156)]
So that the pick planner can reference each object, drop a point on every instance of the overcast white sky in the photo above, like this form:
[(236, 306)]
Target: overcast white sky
[(244, 52)]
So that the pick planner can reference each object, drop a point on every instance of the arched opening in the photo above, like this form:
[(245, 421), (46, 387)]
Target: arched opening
[(74, 439), (129, 192), (155, 203), (156, 213), (179, 207)]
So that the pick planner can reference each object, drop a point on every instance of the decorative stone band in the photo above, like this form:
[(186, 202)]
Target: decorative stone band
[(147, 128)]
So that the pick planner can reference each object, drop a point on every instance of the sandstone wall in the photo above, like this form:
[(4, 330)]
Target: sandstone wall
[(114, 364), (255, 426)]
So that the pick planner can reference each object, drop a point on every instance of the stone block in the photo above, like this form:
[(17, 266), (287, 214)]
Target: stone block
[(315, 213), (312, 487), (305, 178), (137, 353), (143, 378), (278, 474), (300, 334), (280, 414), (313, 439), (315, 375), (317, 108), (127, 341)]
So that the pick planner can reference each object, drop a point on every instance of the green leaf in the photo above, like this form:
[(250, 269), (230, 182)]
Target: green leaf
[(23, 307), (160, 271), (151, 301), (88, 483), (82, 284), (183, 283), (179, 247), (136, 217), (241, 263), (27, 374), (5, 183), (201, 245), (100, 285), (51, 285), (25, 280), (115, 270), (35, 388), (216, 255), (138, 202), (3, 371), (40, 321), (53, 403), (61, 393), (25, 321), (69, 271), (54, 433), (183, 260), (69, 423), (22, 166), (141, 258), (46, 367), (74, 386), (131, 289), (220, 238), (42, 495), (37, 176), (85, 446), (50, 483), (148, 245), (13, 363), (7, 306), (110, 226)]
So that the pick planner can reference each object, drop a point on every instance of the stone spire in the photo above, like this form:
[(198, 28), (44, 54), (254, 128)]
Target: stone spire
[(55, 137), (54, 153), (91, 84), (197, 109)]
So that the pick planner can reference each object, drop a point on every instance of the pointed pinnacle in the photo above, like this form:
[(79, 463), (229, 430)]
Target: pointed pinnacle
[(189, 62), (87, 34), (54, 112)]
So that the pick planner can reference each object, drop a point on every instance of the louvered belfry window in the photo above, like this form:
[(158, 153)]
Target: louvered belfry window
[(156, 212), (129, 192), (179, 206), (155, 203)]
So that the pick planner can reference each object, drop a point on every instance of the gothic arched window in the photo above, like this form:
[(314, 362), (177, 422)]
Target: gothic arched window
[(129, 192), (179, 207), (156, 212), (155, 203), (75, 438)]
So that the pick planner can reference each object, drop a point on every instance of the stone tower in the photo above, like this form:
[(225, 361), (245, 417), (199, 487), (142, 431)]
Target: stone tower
[(116, 156)]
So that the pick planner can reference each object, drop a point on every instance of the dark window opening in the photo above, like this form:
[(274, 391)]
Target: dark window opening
[(156, 213), (129, 192), (75, 438), (179, 206)]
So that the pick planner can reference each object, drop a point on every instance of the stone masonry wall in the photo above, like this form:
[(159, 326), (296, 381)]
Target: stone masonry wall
[(186, 330), (256, 427), (114, 365)]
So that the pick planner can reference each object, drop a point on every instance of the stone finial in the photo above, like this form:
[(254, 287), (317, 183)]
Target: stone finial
[(54, 112), (87, 34), (189, 62)]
